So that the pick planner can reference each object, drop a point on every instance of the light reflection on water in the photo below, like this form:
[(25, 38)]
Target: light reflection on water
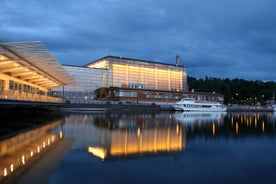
[(170, 147)]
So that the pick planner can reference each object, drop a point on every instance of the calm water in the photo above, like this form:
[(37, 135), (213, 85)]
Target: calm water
[(153, 148), (169, 148)]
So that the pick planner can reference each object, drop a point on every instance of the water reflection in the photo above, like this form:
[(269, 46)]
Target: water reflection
[(21, 149), (110, 136), (248, 124), (196, 141), (117, 136)]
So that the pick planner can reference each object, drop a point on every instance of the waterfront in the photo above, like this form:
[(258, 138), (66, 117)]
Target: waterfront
[(164, 147)]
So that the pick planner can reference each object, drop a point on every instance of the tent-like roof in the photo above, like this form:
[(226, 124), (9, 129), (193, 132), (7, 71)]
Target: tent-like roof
[(32, 61)]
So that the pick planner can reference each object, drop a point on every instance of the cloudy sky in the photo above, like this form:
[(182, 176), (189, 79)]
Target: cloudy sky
[(215, 38)]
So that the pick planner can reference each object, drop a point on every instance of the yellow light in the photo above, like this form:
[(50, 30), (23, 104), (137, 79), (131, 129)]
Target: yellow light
[(138, 131), (60, 134), (44, 144), (32, 153), (5, 172), (213, 129), (53, 138), (100, 64), (98, 152), (38, 149), (263, 127), (23, 159), (48, 141), (153, 77), (237, 128), (12, 168)]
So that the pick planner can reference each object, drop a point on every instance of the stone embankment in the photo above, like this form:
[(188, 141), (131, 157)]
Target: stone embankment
[(249, 109)]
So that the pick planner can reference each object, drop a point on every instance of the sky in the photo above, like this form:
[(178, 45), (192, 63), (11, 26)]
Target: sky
[(214, 38)]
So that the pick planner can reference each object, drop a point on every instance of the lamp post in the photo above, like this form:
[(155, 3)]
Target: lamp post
[(137, 96), (237, 101)]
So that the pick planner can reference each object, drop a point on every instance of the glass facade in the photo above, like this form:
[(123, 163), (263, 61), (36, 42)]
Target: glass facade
[(124, 73), (129, 73), (87, 81), (124, 79)]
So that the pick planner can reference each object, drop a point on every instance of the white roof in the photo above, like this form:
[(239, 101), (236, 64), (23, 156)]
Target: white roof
[(36, 58)]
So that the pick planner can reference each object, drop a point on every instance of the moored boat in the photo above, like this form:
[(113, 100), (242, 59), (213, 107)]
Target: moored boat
[(190, 104), (274, 107)]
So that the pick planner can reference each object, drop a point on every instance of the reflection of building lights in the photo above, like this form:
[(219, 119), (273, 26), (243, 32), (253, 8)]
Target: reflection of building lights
[(98, 152), (20, 153), (263, 127), (237, 128), (60, 134), (213, 129), (23, 159), (177, 129), (138, 132), (5, 172), (11, 167)]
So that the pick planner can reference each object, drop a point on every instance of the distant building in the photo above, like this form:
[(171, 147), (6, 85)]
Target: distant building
[(130, 80)]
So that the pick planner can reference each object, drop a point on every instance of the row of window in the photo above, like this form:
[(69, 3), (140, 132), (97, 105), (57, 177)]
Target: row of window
[(15, 86)]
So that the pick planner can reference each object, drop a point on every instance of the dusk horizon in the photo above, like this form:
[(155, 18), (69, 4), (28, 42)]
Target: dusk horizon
[(218, 38)]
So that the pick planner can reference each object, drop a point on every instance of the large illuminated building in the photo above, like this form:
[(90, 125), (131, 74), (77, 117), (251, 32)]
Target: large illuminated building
[(131, 81), (28, 72)]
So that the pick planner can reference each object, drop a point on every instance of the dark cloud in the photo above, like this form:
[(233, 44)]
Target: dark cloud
[(217, 38)]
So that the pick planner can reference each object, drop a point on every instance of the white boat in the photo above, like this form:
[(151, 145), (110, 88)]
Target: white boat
[(190, 104), (195, 117), (274, 107)]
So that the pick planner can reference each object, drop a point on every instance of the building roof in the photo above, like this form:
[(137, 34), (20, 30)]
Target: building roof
[(132, 59), (35, 59)]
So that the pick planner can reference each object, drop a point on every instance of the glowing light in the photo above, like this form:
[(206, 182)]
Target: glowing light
[(263, 126), (100, 64), (44, 144), (125, 74), (177, 128), (213, 129), (237, 128), (49, 142), (32, 153), (60, 134), (98, 152), (53, 138), (23, 159), (5, 172), (138, 132), (38, 149), (12, 168)]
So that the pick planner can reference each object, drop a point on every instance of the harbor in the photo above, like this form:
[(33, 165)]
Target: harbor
[(104, 143)]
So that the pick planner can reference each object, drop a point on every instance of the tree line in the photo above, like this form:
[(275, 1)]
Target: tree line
[(236, 91)]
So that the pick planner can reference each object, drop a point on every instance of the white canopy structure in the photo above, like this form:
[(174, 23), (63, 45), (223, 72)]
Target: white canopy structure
[(32, 62), (28, 71)]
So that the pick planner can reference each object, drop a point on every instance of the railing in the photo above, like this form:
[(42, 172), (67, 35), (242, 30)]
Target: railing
[(15, 95)]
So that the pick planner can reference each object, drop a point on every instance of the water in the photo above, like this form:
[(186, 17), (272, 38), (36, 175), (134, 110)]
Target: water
[(167, 148)]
